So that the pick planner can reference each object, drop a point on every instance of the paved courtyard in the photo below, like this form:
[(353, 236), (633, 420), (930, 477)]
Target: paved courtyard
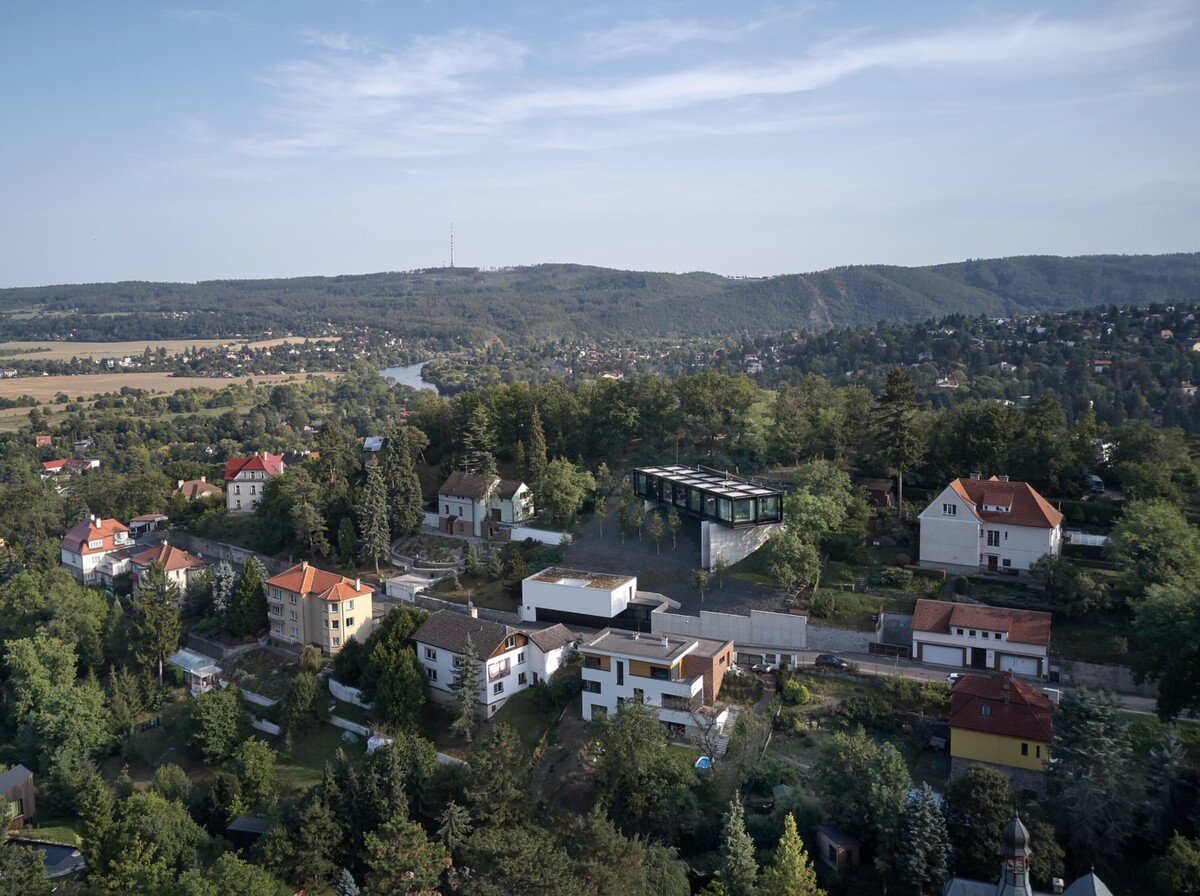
[(667, 571)]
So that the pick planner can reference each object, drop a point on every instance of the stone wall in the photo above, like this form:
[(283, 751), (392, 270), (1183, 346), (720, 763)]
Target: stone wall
[(1022, 778), (1114, 678), (834, 640), (433, 604), (216, 551)]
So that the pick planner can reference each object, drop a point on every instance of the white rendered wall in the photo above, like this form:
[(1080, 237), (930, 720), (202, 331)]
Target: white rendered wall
[(732, 545), (574, 598)]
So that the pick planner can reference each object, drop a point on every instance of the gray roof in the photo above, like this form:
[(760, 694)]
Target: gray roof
[(250, 824), (655, 647), (469, 485), (509, 487), (18, 774), (839, 837), (448, 630), (552, 638), (1088, 885)]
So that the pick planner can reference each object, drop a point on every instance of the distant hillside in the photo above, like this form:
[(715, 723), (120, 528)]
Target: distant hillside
[(553, 300)]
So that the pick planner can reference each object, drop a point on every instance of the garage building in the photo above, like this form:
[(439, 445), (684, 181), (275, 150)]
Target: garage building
[(974, 636)]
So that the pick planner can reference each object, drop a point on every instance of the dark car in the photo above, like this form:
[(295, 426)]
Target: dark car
[(829, 661)]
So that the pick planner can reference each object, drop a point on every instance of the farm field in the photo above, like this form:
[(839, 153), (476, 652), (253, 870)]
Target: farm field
[(44, 388), (65, 351)]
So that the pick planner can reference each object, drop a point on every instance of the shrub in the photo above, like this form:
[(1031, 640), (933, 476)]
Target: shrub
[(839, 546), (796, 694), (901, 560), (962, 585), (870, 712), (891, 577), (822, 605)]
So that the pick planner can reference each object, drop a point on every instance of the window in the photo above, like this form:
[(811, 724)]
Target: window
[(430, 654), (293, 616), (253, 490), (592, 687), (295, 632), (1024, 749), (446, 510), (237, 489), (95, 544), (985, 710), (1006, 563), (511, 641), (432, 673), (522, 679), (349, 622), (1039, 751), (239, 504), (349, 605), (949, 510), (521, 658), (337, 642), (620, 671), (972, 633), (292, 598), (498, 688), (960, 631), (993, 538), (599, 712), (335, 623)]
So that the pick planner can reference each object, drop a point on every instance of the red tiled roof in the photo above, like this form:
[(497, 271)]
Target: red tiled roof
[(305, 579), (55, 465), (271, 464), (196, 488), (1014, 709), (82, 533), (171, 558), (1021, 626), (1026, 506)]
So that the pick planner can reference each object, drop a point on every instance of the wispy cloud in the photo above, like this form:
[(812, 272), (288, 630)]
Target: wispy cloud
[(199, 16), (339, 41), (431, 95), (653, 36)]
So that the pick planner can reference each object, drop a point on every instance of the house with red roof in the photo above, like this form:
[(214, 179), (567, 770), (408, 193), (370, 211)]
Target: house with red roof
[(178, 564), (245, 478), (307, 605), (975, 636), (992, 524), (88, 542), (1002, 722)]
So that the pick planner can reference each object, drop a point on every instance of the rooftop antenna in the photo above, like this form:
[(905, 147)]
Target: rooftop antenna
[(451, 244)]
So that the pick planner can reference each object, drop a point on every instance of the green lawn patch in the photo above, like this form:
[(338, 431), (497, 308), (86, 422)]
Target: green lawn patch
[(262, 672), (526, 716), (1146, 731), (482, 593), (54, 830), (304, 765), (856, 611)]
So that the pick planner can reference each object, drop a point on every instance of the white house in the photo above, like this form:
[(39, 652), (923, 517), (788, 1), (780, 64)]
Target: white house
[(679, 676), (245, 478), (993, 524), (513, 502), (468, 501), (87, 543), (558, 594), (974, 636), (511, 659)]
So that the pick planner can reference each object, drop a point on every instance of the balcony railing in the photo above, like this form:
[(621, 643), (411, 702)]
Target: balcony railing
[(682, 704), (499, 672)]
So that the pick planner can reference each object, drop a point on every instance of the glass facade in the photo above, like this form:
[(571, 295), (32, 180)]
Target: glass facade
[(729, 500)]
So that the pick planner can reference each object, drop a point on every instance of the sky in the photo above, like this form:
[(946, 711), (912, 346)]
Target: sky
[(146, 141)]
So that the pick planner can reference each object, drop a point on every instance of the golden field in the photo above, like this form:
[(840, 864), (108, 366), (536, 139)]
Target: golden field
[(45, 388), (65, 351)]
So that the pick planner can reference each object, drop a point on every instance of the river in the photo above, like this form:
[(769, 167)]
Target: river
[(408, 376)]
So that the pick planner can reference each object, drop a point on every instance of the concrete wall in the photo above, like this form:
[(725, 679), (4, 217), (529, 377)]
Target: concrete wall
[(782, 631), (347, 694), (543, 536), (346, 724), (835, 640), (732, 545)]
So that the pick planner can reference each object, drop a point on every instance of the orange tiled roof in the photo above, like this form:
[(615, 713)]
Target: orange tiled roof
[(305, 579), (1021, 626), (1013, 708), (82, 533), (171, 558), (1025, 506)]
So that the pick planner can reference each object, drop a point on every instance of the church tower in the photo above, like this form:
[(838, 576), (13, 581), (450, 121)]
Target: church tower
[(1014, 870)]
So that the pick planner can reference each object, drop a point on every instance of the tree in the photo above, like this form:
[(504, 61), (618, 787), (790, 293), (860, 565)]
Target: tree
[(468, 679), (223, 802), (404, 496), (126, 700), (793, 561), (662, 872), (1155, 545), (605, 860), (791, 872), (673, 525), (604, 487), (478, 438), (249, 599), (21, 871), (316, 841), (310, 528), (347, 541), (512, 566), (1178, 870), (374, 531), (346, 885), (499, 786), (222, 592), (657, 531), (163, 827), (218, 723), (700, 582), (738, 868), (197, 596), (897, 427), (229, 874), (299, 711), (398, 691), (978, 806), (1089, 775), (520, 859), (635, 774), (923, 854), (1166, 632), (718, 567), (253, 762), (561, 491), (401, 859), (172, 783), (454, 826), (536, 455), (1166, 792), (156, 618), (95, 806)]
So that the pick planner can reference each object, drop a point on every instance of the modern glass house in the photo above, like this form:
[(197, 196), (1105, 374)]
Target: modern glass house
[(722, 498)]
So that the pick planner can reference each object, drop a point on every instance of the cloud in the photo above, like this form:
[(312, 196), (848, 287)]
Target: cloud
[(653, 36), (197, 16), (441, 94), (341, 42)]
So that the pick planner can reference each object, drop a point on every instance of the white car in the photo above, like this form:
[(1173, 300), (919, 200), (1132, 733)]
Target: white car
[(953, 677)]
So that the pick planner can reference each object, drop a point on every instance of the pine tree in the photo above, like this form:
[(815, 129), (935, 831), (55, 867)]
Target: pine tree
[(346, 885), (404, 495), (156, 622), (478, 438), (374, 532), (309, 527), (94, 805), (125, 701), (1164, 785), (347, 541), (537, 456), (791, 872), (897, 427), (222, 592), (738, 868), (454, 826), (249, 599), (923, 857), (487, 466), (467, 682)]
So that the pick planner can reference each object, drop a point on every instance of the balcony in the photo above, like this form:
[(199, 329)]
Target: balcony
[(682, 704), (500, 671)]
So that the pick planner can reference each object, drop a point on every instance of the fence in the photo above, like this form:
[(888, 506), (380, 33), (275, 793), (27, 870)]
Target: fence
[(889, 650)]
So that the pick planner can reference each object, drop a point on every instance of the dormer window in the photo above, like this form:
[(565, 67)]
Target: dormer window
[(949, 510)]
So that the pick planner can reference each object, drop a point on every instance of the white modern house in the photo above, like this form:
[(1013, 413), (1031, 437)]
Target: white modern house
[(680, 677), (974, 636), (994, 525), (511, 659), (558, 594)]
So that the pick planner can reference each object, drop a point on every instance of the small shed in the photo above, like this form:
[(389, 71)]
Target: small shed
[(880, 492), (16, 789), (839, 851), (199, 671), (245, 830), (149, 522)]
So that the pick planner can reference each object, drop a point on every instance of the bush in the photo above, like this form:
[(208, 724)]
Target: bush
[(840, 546), (892, 577), (870, 712), (901, 560), (822, 605), (962, 585), (796, 694)]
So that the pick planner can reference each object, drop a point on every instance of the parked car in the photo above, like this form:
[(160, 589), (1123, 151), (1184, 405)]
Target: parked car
[(829, 661), (954, 676)]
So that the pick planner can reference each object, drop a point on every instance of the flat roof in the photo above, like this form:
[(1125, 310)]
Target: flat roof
[(654, 647), (728, 485), (578, 578)]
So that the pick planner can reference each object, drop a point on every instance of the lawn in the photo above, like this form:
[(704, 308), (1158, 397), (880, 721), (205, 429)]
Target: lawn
[(1146, 731), (857, 611), (523, 713), (482, 593), (304, 765), (54, 830), (262, 672)]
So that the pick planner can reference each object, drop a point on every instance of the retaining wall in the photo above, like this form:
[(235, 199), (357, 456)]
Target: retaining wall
[(257, 699), (361, 730), (544, 536), (783, 631), (1114, 678), (433, 604), (834, 640), (347, 694), (215, 649), (216, 551)]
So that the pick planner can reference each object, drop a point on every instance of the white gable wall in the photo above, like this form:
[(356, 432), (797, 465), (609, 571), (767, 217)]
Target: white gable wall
[(949, 540)]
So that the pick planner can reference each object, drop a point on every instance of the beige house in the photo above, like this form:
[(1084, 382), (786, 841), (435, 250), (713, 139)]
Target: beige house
[(307, 605)]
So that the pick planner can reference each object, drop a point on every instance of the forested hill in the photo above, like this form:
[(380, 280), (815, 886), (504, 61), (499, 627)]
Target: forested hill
[(546, 301)]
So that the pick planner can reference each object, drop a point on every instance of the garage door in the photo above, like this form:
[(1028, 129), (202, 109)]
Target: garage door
[(1022, 665), (942, 656)]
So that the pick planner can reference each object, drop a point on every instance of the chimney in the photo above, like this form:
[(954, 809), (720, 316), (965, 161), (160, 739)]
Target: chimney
[(974, 474), (664, 641), (179, 484), (358, 584), (1003, 477), (1056, 885), (473, 610), (202, 479), (304, 564)]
